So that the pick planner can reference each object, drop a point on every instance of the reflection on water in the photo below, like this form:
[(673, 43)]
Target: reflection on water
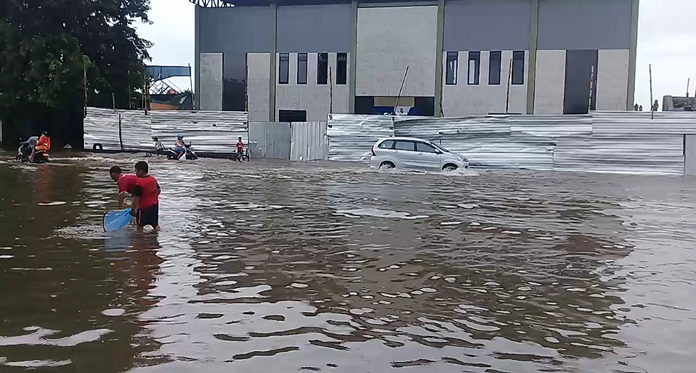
[(319, 267)]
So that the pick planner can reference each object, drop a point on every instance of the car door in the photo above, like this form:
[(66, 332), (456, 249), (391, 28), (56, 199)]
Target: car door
[(404, 153), (427, 157)]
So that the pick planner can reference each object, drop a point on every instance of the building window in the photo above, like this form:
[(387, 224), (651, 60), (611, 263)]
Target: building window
[(284, 68), (289, 116), (323, 68), (518, 68), (474, 68), (452, 64), (495, 63), (302, 68), (341, 68)]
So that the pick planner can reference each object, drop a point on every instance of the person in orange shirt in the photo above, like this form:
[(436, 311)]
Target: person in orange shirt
[(44, 144)]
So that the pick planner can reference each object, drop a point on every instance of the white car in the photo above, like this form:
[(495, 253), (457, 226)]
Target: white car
[(412, 153)]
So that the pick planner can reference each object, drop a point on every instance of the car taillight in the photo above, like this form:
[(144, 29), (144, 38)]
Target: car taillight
[(373, 151)]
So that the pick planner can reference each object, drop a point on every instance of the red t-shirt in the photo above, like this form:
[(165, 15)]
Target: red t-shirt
[(240, 146), (148, 190), (126, 183)]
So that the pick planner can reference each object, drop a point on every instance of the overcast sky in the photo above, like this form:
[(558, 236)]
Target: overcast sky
[(666, 39)]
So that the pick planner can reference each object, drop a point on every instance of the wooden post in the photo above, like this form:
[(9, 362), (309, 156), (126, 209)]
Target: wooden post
[(330, 91), (403, 81), (507, 95), (652, 106)]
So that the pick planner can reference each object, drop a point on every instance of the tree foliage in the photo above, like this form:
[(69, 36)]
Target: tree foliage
[(47, 44)]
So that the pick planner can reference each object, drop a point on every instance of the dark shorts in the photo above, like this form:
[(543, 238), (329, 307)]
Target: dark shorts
[(148, 216)]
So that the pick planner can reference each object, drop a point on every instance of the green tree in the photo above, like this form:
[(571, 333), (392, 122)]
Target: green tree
[(47, 45)]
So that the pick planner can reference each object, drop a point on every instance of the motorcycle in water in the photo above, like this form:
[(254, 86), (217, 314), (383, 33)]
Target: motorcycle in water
[(24, 152), (187, 154), (160, 149)]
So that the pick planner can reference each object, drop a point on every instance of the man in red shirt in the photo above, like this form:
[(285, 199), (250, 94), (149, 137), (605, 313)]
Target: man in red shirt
[(145, 205), (126, 183)]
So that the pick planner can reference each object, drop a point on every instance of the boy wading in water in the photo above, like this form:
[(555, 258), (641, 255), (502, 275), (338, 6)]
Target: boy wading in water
[(145, 205)]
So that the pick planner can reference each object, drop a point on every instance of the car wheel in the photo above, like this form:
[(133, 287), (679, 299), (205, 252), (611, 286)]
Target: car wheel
[(386, 166), (449, 167), (97, 147)]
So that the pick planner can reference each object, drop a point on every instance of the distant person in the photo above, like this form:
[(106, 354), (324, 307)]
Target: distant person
[(145, 206), (180, 146), (42, 144), (126, 183), (240, 149)]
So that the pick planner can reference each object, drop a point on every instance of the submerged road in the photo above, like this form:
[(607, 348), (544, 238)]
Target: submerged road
[(279, 267)]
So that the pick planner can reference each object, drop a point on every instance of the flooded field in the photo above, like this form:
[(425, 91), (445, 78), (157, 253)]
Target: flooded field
[(279, 267)]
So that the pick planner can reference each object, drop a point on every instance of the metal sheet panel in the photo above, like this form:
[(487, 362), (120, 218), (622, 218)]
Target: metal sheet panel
[(309, 141), (135, 130), (101, 130), (210, 132), (656, 155), (639, 123), (351, 136), (270, 140)]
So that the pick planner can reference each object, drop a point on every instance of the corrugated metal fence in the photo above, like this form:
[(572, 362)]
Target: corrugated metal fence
[(619, 142), (211, 132)]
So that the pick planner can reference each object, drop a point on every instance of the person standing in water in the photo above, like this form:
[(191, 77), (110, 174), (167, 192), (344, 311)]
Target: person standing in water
[(126, 183), (145, 206)]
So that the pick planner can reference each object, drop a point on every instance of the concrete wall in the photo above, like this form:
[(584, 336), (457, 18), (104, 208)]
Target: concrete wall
[(612, 79), (312, 97), (389, 40), (584, 24), (314, 28), (233, 32), (258, 80), (463, 99), (484, 25), (550, 82), (211, 81)]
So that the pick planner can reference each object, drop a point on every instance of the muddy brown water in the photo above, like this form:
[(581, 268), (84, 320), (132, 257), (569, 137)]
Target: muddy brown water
[(279, 267)]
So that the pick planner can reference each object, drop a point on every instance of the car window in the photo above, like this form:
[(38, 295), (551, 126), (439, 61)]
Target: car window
[(404, 145), (425, 148), (388, 144)]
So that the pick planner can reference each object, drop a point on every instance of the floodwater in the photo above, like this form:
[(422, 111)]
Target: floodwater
[(279, 267)]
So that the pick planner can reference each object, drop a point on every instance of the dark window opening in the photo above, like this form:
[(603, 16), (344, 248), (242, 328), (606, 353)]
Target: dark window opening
[(452, 66), (302, 68), (494, 65), (322, 68), (405, 145), (425, 148), (518, 68), (284, 68), (387, 144), (341, 68), (288, 116), (474, 68)]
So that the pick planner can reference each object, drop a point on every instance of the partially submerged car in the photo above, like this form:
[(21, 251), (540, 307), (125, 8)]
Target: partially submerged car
[(416, 154)]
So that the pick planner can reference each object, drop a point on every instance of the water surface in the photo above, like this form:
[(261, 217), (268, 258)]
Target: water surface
[(323, 267)]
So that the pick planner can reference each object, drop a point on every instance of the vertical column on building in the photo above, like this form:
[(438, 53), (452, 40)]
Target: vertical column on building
[(533, 46), (630, 98), (197, 62), (438, 57), (272, 64), (352, 65)]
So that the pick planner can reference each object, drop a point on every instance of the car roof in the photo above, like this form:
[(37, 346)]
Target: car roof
[(404, 138)]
